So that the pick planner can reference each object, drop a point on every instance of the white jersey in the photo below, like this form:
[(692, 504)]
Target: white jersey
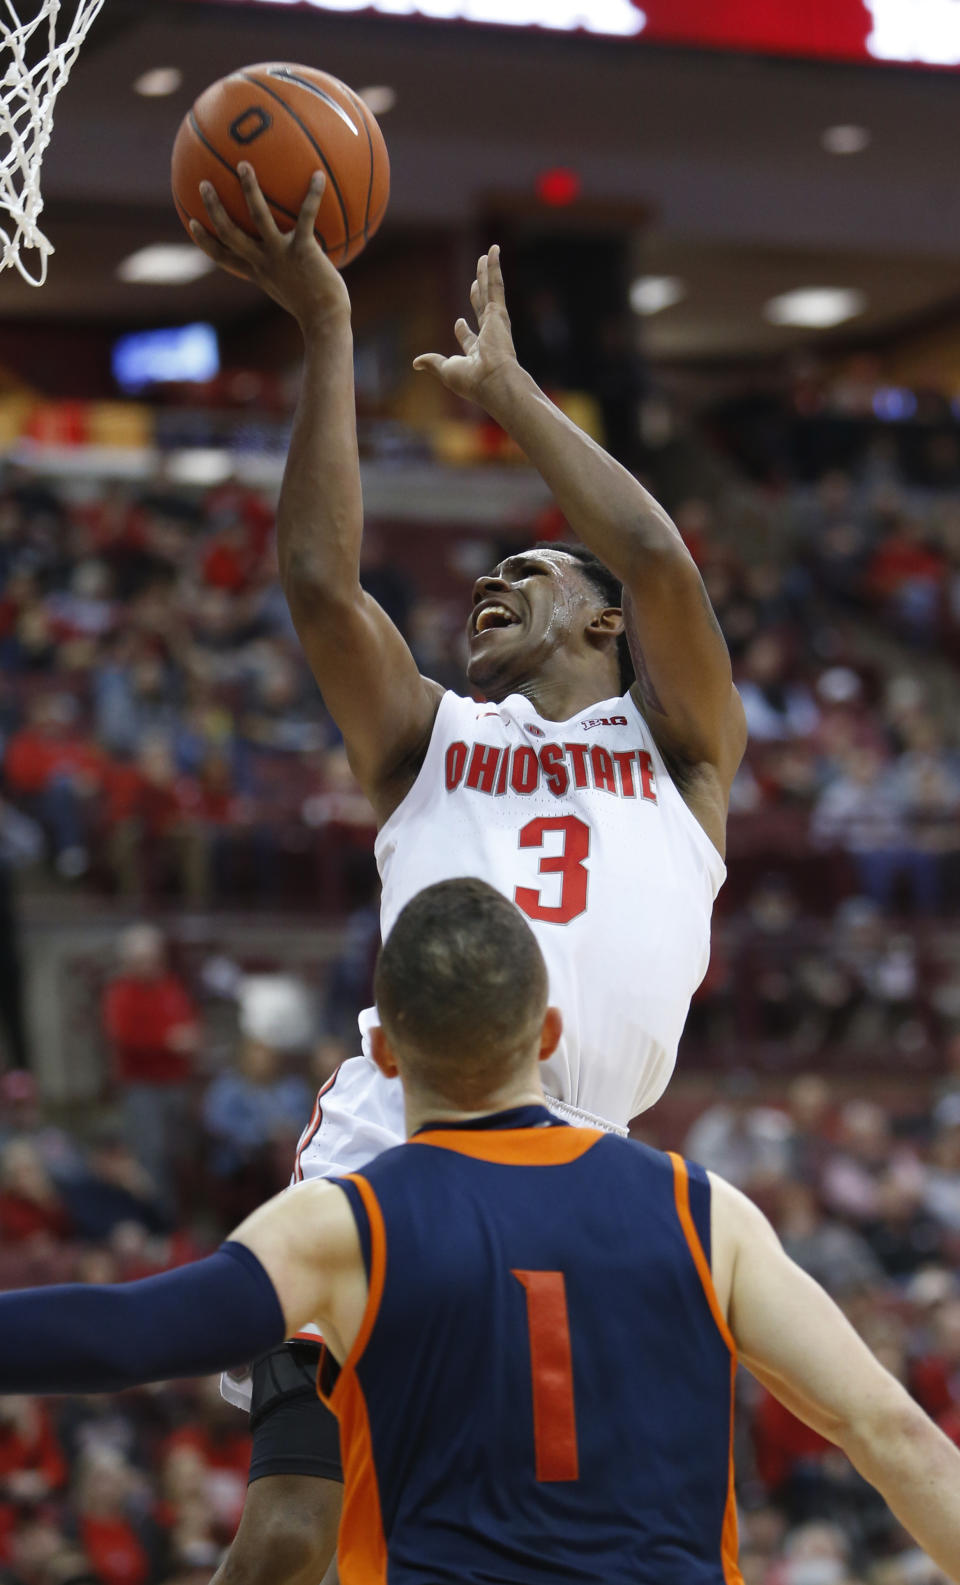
[(580, 824)]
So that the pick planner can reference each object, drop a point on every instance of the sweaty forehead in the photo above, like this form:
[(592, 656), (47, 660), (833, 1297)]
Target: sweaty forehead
[(556, 560)]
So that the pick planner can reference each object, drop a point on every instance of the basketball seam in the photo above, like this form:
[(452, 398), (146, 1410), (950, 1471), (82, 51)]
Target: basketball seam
[(358, 234), (380, 213), (362, 109), (311, 139), (196, 127)]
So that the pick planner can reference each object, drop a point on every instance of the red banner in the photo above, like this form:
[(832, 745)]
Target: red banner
[(836, 29), (920, 32)]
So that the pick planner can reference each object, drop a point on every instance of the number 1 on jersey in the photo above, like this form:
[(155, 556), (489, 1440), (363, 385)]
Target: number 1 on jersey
[(551, 1367), (570, 862)]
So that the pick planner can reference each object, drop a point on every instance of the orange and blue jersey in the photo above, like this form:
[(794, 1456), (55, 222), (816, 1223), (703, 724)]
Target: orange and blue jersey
[(542, 1385)]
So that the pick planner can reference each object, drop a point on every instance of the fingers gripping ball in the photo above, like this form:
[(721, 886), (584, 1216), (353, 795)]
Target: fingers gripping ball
[(287, 121)]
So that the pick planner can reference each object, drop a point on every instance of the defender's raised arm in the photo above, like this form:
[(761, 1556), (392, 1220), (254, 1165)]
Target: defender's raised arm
[(794, 1339), (365, 671), (685, 684)]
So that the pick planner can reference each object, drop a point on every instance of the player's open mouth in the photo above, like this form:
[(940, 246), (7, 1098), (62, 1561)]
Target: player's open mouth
[(492, 614)]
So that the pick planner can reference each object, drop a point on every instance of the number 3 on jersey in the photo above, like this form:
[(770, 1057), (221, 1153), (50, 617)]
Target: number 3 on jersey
[(570, 862)]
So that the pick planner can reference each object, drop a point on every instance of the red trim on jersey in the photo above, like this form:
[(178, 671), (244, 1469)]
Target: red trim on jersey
[(315, 1120)]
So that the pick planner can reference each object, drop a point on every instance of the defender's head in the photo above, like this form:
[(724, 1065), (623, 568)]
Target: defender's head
[(461, 989), (551, 605)]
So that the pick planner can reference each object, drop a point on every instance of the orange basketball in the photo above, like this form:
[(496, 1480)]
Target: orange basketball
[(287, 121)]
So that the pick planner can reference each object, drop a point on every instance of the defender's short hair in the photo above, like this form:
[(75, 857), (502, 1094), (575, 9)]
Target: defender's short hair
[(461, 988), (610, 590)]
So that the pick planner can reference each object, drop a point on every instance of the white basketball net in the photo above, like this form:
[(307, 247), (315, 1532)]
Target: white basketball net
[(30, 81)]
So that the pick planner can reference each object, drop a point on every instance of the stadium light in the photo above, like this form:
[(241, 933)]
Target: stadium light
[(164, 264), (816, 307), (159, 82), (378, 99), (203, 466), (651, 294), (846, 139)]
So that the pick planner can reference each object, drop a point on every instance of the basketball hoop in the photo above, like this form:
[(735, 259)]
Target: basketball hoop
[(33, 68)]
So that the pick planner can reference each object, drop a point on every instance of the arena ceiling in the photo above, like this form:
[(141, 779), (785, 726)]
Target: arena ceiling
[(723, 153)]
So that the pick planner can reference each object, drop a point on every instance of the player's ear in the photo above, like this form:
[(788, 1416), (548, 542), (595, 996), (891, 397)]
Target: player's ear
[(607, 623), (381, 1053), (550, 1033)]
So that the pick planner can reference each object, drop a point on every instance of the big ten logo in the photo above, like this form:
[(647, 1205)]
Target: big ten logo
[(927, 31), (604, 720)]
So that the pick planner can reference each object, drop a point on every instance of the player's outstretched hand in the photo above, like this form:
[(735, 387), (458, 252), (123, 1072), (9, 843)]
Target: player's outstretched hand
[(487, 352), (290, 266)]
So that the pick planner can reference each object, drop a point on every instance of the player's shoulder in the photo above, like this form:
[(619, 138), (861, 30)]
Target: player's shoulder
[(386, 1164), (637, 1151), (643, 1163), (662, 1173)]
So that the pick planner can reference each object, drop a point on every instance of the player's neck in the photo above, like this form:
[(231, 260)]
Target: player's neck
[(560, 695), (423, 1107)]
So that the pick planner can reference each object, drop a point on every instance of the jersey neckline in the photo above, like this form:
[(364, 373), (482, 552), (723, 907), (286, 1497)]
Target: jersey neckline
[(532, 1116), (569, 720)]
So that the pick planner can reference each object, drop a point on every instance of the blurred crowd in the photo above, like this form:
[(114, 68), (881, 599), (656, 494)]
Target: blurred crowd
[(841, 629), (158, 722)]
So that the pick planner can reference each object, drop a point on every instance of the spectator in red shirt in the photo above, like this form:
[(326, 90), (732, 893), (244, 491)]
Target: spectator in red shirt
[(228, 561), (54, 766), (935, 1377), (904, 554), (31, 1210), (151, 1023), (781, 1443), (210, 1454), (152, 814), (36, 1552), (123, 1548), (32, 1462), (906, 575)]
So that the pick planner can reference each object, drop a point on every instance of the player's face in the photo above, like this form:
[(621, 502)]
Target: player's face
[(528, 607)]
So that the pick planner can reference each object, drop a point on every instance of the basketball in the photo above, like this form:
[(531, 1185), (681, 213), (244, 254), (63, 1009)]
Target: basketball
[(287, 121)]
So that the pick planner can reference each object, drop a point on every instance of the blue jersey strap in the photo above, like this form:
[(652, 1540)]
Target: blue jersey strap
[(203, 1317)]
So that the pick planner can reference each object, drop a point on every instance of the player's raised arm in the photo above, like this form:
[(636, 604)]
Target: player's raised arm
[(366, 673), (683, 667), (793, 1337)]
